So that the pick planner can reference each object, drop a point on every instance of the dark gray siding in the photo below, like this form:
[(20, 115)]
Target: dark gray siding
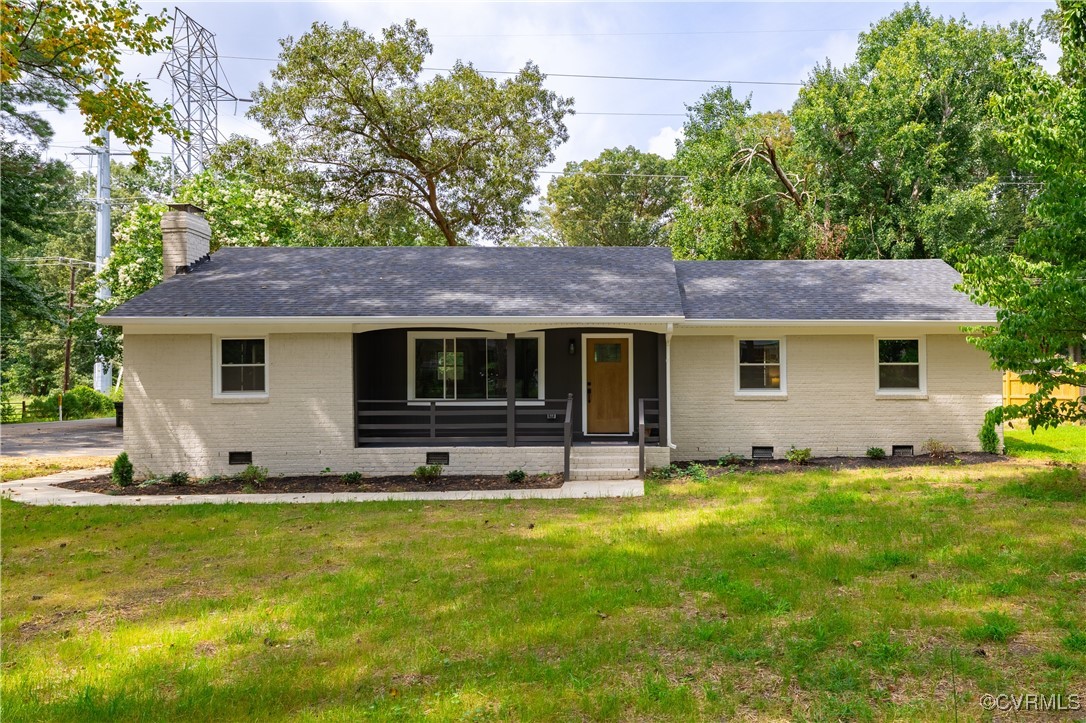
[(381, 365)]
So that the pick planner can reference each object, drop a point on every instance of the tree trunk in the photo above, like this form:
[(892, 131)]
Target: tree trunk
[(437, 215)]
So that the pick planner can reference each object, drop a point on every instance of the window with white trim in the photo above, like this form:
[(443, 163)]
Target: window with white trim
[(761, 366), (242, 366), (472, 368), (900, 365)]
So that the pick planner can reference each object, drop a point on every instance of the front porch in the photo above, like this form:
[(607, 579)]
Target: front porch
[(565, 388)]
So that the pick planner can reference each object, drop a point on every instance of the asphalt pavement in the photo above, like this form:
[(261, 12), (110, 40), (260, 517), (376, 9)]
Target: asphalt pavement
[(80, 438)]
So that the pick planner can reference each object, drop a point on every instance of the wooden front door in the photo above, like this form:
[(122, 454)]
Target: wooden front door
[(607, 385)]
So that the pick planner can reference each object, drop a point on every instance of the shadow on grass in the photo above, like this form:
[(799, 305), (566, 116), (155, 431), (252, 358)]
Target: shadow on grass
[(1017, 446)]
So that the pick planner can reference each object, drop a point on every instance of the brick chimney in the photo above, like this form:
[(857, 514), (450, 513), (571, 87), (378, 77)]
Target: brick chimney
[(186, 238)]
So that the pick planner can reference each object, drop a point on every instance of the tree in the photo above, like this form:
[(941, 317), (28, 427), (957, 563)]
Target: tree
[(333, 222), (1039, 288), (624, 197), (460, 149), (735, 205), (239, 212), (43, 218), (52, 52), (903, 138)]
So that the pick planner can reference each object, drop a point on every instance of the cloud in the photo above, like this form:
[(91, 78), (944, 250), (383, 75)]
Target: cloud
[(663, 143)]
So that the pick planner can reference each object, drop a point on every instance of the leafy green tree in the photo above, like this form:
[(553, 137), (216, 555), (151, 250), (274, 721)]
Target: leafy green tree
[(904, 139), (240, 214), (334, 221), (735, 204), (1039, 288), (43, 218), (624, 197), (54, 52), (460, 150)]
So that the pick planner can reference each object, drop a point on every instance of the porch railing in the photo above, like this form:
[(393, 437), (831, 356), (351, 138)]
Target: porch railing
[(648, 428), (402, 422)]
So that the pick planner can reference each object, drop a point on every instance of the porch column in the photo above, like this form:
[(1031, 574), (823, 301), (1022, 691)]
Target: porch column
[(510, 390), (661, 384)]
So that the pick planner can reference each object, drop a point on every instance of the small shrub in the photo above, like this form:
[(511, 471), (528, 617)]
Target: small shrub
[(79, 403), (731, 459), (697, 473), (123, 472), (253, 475), (351, 478), (876, 453), (326, 470), (799, 456), (936, 449), (996, 628), (178, 478), (427, 472), (665, 473), (517, 476), (989, 438)]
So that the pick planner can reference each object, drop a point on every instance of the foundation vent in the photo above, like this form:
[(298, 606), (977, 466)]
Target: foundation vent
[(241, 457)]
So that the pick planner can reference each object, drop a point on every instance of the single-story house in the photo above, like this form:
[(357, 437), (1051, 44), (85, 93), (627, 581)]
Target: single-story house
[(595, 361)]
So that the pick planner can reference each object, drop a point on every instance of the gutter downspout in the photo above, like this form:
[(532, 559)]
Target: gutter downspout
[(667, 363)]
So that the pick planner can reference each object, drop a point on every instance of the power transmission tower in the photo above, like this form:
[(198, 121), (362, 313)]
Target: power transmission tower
[(193, 66)]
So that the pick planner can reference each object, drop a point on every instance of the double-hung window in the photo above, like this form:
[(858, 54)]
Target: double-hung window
[(242, 367), (901, 365), (761, 367), (472, 368)]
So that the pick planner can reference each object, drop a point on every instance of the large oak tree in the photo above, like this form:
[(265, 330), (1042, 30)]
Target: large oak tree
[(459, 149)]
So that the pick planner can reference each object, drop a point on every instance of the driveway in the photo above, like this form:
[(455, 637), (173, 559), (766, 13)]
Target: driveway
[(81, 438)]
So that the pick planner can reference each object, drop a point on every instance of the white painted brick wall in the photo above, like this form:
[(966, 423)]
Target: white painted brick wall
[(172, 423), (831, 406)]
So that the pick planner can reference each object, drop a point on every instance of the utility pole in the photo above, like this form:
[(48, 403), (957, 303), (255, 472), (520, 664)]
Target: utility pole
[(68, 331), (103, 371)]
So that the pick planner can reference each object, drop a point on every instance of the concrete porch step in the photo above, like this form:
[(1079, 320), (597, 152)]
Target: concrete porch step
[(602, 473)]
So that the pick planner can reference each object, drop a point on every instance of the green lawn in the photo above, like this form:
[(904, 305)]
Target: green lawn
[(905, 593), (1061, 444)]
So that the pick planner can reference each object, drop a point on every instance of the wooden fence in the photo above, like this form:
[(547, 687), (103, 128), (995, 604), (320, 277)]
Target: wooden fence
[(1015, 391)]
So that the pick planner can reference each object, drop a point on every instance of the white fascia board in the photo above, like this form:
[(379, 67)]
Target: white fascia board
[(373, 322), (836, 322)]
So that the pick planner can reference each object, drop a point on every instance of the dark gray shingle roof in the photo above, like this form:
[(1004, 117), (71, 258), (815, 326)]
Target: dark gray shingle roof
[(418, 281), (921, 290)]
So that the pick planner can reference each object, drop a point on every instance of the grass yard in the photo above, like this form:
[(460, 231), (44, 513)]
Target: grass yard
[(1063, 444), (868, 594)]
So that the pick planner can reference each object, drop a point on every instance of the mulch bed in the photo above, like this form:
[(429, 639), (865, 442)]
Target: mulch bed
[(316, 483), (783, 465)]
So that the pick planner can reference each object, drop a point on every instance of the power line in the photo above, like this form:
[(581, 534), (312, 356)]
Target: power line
[(590, 76), (757, 31)]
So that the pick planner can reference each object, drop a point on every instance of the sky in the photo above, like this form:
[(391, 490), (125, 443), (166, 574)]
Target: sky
[(772, 46)]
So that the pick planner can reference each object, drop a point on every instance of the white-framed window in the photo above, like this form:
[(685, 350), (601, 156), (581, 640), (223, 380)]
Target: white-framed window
[(471, 367), (760, 367), (901, 365), (241, 366)]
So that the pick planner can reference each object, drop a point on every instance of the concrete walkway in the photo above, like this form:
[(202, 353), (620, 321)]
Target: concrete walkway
[(79, 438), (42, 491)]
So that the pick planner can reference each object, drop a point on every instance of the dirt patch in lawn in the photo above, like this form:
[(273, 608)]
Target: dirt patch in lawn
[(15, 468), (315, 483)]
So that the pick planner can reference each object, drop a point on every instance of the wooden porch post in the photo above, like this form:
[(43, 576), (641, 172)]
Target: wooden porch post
[(510, 390), (661, 384)]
